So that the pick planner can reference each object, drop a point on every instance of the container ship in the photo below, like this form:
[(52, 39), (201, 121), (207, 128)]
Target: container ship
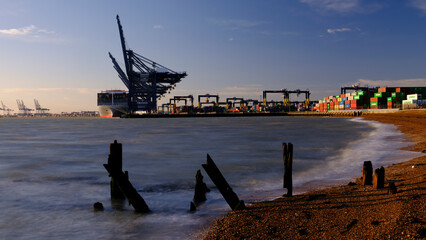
[(113, 103)]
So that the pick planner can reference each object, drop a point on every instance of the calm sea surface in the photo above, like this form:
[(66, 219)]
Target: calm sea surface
[(51, 170)]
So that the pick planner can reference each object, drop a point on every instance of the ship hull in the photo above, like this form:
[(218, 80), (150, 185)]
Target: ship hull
[(109, 111)]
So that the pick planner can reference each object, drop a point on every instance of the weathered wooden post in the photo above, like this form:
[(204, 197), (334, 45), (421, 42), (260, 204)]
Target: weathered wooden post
[(115, 161), (121, 180), (223, 186), (392, 188), (379, 178), (200, 189), (367, 173), (288, 168)]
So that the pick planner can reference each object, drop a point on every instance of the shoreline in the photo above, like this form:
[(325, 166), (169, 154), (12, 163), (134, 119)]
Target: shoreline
[(345, 211)]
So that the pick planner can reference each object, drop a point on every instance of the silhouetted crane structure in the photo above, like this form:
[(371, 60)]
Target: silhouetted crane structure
[(24, 110), (145, 79), (39, 109), (6, 110), (286, 96)]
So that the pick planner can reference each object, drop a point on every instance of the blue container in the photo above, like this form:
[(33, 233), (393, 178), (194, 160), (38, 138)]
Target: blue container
[(341, 102), (347, 106), (345, 99)]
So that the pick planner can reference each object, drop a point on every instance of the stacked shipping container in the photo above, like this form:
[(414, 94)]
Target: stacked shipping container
[(383, 98)]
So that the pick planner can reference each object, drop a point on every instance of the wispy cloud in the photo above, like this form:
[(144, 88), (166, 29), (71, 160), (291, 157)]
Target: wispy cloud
[(231, 39), (419, 4), (30, 33), (237, 24), (336, 30), (414, 82), (158, 26), (333, 5), (345, 6)]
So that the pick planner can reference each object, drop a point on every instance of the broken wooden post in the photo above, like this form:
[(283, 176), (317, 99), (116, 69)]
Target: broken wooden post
[(223, 186), (200, 189), (128, 190), (288, 168), (121, 181), (379, 178), (115, 161), (367, 173), (392, 188)]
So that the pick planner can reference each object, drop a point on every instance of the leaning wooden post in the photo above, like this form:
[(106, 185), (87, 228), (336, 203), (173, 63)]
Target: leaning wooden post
[(379, 178), (367, 173), (288, 168), (115, 161), (223, 186)]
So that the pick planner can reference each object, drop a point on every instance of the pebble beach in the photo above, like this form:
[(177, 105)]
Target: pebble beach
[(350, 211)]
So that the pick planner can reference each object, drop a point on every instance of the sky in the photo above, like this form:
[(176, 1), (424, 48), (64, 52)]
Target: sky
[(57, 51)]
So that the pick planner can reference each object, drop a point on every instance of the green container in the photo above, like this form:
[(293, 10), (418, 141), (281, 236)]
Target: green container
[(398, 94), (357, 97), (360, 93), (389, 99), (374, 104), (378, 94), (337, 96)]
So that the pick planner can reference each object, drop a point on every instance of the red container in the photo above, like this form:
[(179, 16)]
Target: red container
[(347, 102), (374, 99), (353, 101), (374, 107), (342, 95), (326, 98)]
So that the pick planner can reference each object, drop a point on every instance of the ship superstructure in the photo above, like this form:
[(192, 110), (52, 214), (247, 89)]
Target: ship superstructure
[(113, 103)]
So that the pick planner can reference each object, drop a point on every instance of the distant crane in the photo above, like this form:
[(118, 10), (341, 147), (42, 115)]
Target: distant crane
[(24, 110), (39, 109), (6, 110)]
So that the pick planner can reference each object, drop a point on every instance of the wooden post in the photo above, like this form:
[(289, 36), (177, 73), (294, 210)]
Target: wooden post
[(367, 173), (392, 188), (223, 186), (379, 178), (288, 168), (128, 190), (121, 187), (200, 189), (115, 161)]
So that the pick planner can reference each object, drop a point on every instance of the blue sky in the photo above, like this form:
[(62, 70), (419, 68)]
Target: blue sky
[(57, 51)]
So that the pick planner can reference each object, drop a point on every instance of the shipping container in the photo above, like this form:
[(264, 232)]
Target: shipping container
[(386, 89)]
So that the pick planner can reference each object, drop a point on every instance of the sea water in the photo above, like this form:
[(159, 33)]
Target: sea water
[(51, 170)]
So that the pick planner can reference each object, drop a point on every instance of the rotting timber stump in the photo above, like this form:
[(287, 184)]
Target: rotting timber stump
[(288, 168), (128, 190), (228, 194), (200, 189), (115, 161), (120, 185), (367, 173), (379, 178)]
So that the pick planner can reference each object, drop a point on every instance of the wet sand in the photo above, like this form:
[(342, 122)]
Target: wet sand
[(352, 211)]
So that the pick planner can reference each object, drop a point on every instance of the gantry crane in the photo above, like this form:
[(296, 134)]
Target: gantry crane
[(5, 109), (146, 80), (39, 109), (24, 110)]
